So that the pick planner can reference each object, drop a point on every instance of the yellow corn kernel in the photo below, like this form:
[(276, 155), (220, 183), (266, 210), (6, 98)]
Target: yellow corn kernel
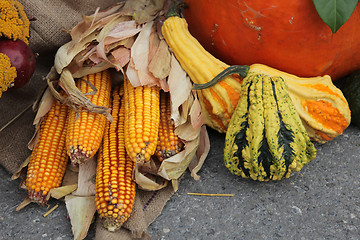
[(141, 120), (86, 129), (48, 159), (169, 144), (115, 188)]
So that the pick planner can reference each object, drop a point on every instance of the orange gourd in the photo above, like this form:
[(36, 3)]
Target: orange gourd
[(286, 35)]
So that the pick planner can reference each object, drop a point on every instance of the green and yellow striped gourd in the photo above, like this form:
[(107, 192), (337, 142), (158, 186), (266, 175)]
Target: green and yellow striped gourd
[(266, 139)]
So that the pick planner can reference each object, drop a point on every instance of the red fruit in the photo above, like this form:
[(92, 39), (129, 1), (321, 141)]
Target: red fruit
[(21, 57)]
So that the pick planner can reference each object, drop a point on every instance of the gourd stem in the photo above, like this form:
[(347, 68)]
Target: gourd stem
[(176, 9), (242, 70)]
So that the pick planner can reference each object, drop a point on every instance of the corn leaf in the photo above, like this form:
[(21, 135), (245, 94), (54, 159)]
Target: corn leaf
[(201, 153), (81, 211)]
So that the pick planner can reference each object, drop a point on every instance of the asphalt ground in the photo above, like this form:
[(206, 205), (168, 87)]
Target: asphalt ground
[(322, 201)]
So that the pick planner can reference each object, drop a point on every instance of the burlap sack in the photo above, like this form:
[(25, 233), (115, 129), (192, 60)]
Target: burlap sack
[(50, 20)]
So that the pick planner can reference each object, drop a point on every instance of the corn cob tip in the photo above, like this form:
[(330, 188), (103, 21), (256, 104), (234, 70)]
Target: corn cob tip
[(37, 196), (169, 143), (113, 224), (79, 155), (163, 154)]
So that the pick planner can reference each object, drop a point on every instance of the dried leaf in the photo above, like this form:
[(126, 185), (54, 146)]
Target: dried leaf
[(160, 62), (121, 31), (186, 107), (201, 153), (154, 42), (180, 114), (179, 86), (163, 85), (21, 169), (81, 211), (139, 72), (187, 132), (129, 42), (140, 48), (150, 166), (61, 192), (44, 106), (67, 52), (147, 181), (86, 70), (23, 204), (195, 114), (121, 57), (175, 184), (145, 10), (101, 18), (111, 25), (175, 166), (71, 175), (86, 178), (131, 73)]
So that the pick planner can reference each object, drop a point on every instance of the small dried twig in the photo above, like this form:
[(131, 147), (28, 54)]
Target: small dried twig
[(51, 210), (213, 194)]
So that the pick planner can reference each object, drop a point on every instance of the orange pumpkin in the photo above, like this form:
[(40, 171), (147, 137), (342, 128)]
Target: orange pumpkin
[(283, 34)]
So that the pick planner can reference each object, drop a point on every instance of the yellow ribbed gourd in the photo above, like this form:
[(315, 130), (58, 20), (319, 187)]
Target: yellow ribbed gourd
[(217, 102)]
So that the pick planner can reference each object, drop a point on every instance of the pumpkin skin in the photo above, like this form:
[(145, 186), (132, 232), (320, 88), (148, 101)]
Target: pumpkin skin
[(286, 35)]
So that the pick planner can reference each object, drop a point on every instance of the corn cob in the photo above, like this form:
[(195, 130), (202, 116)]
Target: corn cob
[(86, 129), (141, 120), (115, 188), (49, 159), (168, 143)]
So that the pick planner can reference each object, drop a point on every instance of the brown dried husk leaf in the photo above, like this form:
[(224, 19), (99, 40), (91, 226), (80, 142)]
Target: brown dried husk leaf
[(146, 179), (61, 192), (86, 178), (81, 210), (69, 62), (44, 106), (160, 64), (145, 10), (178, 80), (21, 170), (201, 153)]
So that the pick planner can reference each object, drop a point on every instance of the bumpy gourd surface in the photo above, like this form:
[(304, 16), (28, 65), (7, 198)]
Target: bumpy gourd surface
[(266, 139)]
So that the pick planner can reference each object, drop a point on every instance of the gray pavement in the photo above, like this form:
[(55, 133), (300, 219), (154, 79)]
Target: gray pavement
[(320, 202)]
